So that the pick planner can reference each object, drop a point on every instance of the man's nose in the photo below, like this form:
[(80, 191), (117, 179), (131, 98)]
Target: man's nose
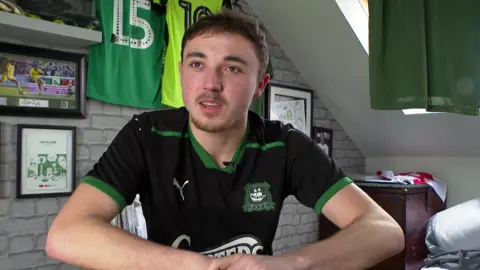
[(212, 80)]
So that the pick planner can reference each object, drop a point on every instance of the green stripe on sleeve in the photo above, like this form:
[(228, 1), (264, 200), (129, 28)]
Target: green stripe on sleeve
[(107, 189), (330, 192)]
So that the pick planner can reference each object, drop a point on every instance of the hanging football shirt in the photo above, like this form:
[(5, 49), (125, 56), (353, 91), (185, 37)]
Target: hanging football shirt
[(126, 68)]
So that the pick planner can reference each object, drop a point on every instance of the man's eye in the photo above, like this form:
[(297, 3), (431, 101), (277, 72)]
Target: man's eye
[(196, 64), (234, 69)]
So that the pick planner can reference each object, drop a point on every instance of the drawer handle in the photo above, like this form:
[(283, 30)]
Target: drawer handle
[(414, 251)]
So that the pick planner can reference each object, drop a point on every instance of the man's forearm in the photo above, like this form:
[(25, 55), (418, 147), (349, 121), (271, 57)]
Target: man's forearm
[(94, 244), (366, 242)]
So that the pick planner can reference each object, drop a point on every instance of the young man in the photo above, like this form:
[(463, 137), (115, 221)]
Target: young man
[(212, 177)]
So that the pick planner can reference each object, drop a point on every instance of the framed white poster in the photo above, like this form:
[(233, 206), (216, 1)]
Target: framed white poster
[(291, 105), (45, 160)]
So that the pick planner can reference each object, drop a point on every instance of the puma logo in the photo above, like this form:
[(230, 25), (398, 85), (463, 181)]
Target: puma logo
[(180, 188)]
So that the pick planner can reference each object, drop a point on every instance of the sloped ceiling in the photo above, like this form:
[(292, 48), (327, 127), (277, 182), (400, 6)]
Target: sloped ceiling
[(322, 45)]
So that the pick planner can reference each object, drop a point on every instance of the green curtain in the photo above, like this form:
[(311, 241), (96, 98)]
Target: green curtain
[(425, 54)]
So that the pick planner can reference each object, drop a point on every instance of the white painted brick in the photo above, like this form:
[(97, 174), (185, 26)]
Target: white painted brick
[(302, 209), (109, 135), (25, 260), (26, 225), (295, 240), (285, 219), (277, 76), (92, 136), (4, 207), (50, 219), (8, 154), (336, 126), (95, 107), (20, 244), (6, 134), (85, 167), (40, 241), (61, 202), (296, 219), (4, 173), (341, 162), (110, 109), (289, 77), (304, 239), (79, 123), (340, 145), (23, 208), (339, 154), (306, 228), (309, 218), (290, 199), (96, 151), (47, 206), (288, 231), (322, 123), (4, 240), (109, 122), (278, 233), (289, 209), (4, 224), (353, 153), (313, 237), (83, 152), (319, 114)]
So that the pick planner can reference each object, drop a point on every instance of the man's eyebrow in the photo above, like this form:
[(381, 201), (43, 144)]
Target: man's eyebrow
[(234, 58), (195, 54)]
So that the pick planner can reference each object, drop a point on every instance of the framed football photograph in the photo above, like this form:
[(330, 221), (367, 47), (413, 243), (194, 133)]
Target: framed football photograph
[(41, 83), (46, 160)]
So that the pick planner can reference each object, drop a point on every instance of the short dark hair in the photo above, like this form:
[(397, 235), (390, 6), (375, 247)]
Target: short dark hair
[(232, 21)]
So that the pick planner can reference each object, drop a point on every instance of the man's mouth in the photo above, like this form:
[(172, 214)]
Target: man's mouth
[(210, 104)]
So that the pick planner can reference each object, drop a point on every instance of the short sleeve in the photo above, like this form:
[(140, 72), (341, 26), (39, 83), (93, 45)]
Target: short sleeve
[(313, 177), (120, 170)]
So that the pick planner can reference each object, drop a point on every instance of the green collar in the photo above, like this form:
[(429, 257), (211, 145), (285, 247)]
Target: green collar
[(207, 158)]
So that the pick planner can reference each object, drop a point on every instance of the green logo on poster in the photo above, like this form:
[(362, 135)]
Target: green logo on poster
[(257, 197)]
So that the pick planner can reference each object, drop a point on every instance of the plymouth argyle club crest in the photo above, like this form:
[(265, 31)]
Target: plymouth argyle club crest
[(257, 197)]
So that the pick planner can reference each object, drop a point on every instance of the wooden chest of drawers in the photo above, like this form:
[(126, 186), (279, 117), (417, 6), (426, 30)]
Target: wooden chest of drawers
[(411, 206)]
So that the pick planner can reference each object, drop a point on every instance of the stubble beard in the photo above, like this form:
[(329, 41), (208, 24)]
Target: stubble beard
[(209, 127)]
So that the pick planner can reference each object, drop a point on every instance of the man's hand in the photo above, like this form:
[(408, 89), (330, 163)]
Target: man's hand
[(256, 262)]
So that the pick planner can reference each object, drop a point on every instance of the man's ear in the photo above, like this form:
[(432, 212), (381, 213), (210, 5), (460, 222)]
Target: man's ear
[(261, 85)]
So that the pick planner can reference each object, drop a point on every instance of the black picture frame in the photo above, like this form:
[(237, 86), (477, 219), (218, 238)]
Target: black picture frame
[(324, 139), (65, 96), (30, 162), (278, 94)]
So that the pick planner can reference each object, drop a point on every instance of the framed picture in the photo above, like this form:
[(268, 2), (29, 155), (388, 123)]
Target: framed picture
[(324, 138), (291, 105), (41, 83), (45, 160)]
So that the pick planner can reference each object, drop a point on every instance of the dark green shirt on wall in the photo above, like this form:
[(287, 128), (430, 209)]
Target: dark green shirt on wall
[(126, 68)]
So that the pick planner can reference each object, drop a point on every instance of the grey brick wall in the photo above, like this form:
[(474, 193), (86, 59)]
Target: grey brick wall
[(298, 224), (24, 223)]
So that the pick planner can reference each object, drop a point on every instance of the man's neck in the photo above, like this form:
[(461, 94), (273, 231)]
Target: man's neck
[(221, 145)]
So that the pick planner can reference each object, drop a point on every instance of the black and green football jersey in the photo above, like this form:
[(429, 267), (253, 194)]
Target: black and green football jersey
[(189, 202)]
